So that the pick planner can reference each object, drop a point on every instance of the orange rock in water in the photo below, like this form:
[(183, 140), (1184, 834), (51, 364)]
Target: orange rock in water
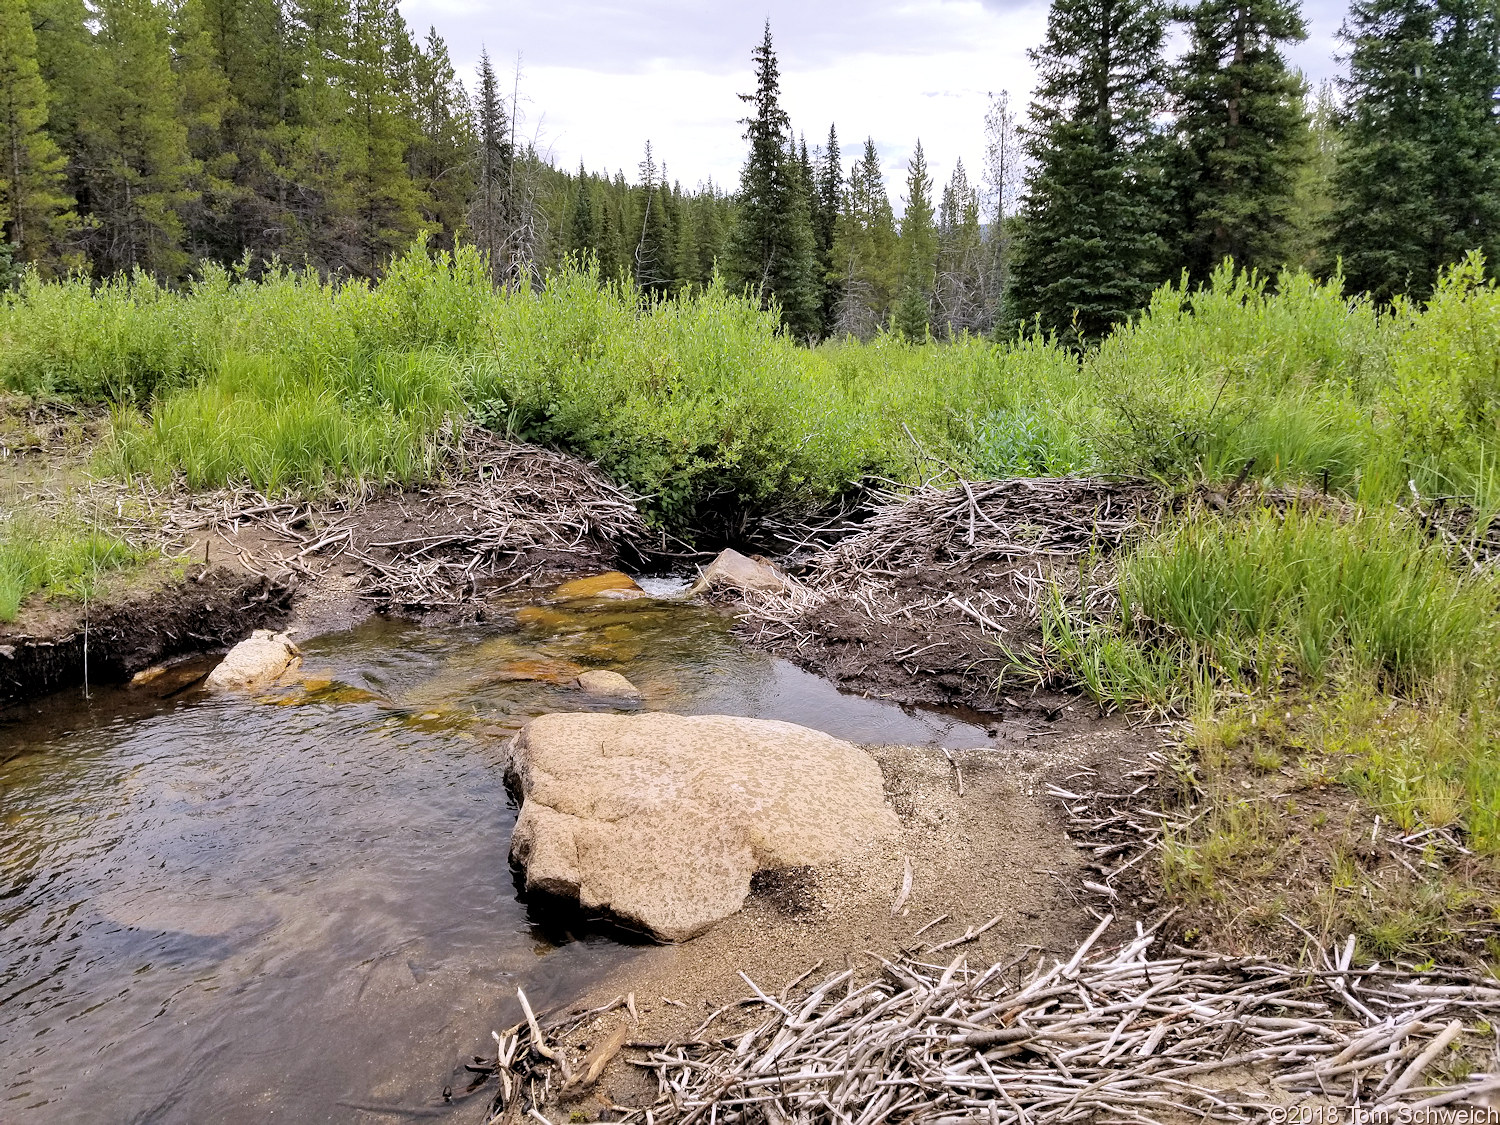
[(545, 617), (543, 669), (610, 584)]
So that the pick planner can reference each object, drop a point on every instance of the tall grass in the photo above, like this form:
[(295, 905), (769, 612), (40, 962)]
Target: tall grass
[(1299, 594), (263, 421), (59, 559)]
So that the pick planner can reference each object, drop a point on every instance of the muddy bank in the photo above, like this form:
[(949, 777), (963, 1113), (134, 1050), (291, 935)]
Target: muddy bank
[(45, 652), (501, 516), (924, 601)]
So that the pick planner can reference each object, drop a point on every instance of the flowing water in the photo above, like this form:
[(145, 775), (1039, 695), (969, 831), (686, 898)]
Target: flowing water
[(292, 906)]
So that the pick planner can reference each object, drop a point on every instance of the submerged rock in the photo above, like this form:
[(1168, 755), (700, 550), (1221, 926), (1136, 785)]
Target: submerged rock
[(611, 584), (661, 820), (255, 662), (609, 685), (731, 570)]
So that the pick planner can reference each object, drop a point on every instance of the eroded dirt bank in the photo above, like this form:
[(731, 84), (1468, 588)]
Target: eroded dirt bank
[(503, 516)]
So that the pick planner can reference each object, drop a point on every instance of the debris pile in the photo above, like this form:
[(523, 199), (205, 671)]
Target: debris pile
[(913, 603), (1125, 1034)]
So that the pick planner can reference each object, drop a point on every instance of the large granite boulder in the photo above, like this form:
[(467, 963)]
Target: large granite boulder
[(260, 660), (661, 820), (731, 570)]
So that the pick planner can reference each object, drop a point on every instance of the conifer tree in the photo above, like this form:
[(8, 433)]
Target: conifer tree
[(1002, 183), (918, 251), (66, 61), (440, 166), (33, 203), (207, 102), (772, 252), (581, 232), (379, 131), (1090, 247), (491, 216), (653, 260), (1418, 177), (865, 250), (136, 166), (1467, 158), (829, 188), (1312, 196), (959, 295), (1241, 136)]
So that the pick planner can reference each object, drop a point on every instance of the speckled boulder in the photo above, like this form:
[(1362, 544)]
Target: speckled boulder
[(661, 820), (609, 685), (256, 662)]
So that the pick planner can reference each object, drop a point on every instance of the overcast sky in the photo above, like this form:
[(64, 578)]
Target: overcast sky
[(601, 77)]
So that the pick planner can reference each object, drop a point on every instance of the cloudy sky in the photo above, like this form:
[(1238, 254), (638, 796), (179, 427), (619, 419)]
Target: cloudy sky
[(601, 77)]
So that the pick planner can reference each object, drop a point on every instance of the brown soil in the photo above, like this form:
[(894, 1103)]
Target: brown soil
[(997, 851), (503, 516), (155, 619), (938, 657)]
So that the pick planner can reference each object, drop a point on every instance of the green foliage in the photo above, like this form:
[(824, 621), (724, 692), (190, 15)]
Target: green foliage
[(1090, 247), (61, 559), (277, 423), (1302, 594), (697, 402), (1241, 136)]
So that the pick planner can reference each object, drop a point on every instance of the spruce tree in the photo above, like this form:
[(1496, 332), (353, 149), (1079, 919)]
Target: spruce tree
[(1241, 135), (918, 251), (1312, 195), (1418, 177), (830, 183), (654, 267), (33, 201), (772, 252), (865, 250), (136, 167), (1090, 246), (491, 218), (959, 294), (207, 103), (378, 133), (440, 166), (1467, 156), (581, 232)]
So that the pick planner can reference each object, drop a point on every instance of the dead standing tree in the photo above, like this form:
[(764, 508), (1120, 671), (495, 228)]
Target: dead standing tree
[(505, 217)]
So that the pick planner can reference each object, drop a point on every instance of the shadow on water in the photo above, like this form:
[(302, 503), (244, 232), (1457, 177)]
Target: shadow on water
[(240, 909)]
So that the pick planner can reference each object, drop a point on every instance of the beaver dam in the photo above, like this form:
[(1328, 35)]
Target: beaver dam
[(299, 898)]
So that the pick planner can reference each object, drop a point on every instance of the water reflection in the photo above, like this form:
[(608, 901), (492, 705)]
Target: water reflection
[(237, 909)]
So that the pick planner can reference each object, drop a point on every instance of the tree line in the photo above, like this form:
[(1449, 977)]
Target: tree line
[(137, 134)]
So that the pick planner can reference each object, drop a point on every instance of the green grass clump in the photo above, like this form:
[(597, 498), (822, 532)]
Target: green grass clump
[(56, 560), (264, 422), (1297, 593)]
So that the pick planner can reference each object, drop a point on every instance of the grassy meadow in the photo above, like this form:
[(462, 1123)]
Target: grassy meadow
[(1337, 659)]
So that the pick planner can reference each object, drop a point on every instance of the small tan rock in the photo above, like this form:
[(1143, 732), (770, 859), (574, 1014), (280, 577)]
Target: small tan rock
[(731, 570), (611, 584), (609, 685), (662, 819), (261, 659)]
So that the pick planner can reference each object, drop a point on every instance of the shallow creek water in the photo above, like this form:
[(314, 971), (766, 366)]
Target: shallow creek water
[(297, 906)]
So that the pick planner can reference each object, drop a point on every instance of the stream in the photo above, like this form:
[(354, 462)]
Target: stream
[(292, 906)]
